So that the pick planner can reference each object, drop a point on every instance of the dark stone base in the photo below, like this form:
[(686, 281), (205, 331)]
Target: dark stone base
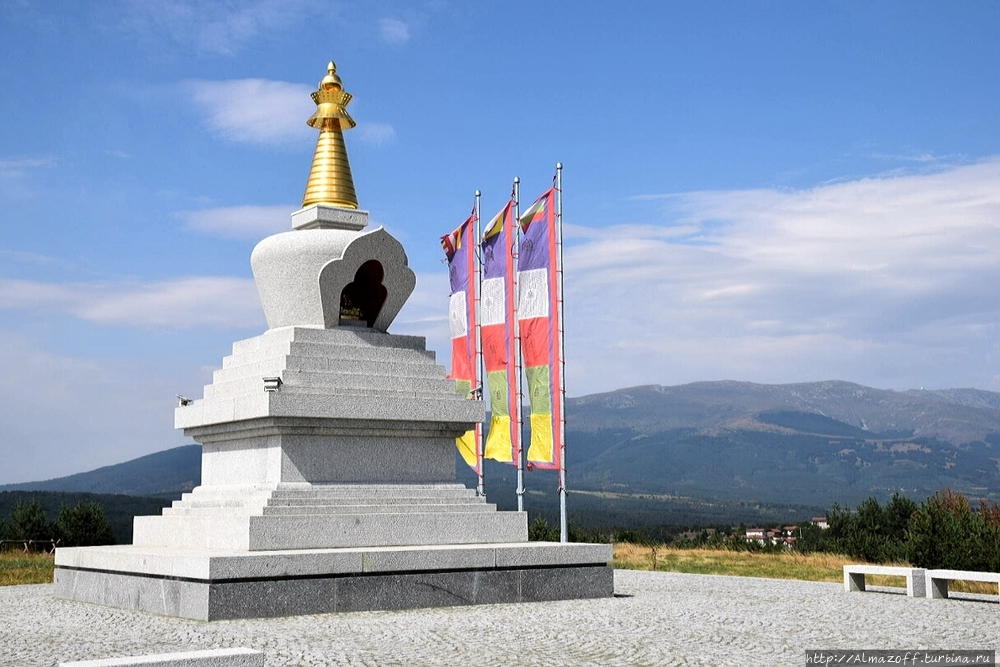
[(257, 598)]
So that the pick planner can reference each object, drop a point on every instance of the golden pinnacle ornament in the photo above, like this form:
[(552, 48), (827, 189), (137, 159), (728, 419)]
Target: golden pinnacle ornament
[(330, 179)]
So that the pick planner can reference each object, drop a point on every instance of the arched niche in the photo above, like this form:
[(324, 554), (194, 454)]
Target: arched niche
[(364, 257), (362, 299)]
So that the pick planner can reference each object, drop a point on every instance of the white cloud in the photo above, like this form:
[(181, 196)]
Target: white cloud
[(206, 26), (376, 133), (17, 180), (394, 31), (253, 222), (255, 110), (183, 303), (13, 168), (259, 111), (33, 259), (890, 281), (917, 156)]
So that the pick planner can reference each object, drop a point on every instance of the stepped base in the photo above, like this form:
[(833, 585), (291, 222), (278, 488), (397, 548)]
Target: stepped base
[(214, 585), (265, 533), (314, 516), (328, 484)]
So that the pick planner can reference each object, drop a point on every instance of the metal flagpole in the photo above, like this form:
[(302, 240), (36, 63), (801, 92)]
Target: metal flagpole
[(480, 372), (519, 427), (563, 530)]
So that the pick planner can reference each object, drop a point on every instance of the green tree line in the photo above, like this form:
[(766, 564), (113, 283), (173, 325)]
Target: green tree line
[(943, 532), (82, 525)]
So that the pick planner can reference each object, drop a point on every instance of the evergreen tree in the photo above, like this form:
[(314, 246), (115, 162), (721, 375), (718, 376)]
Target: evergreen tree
[(813, 538), (945, 533), (539, 531), (84, 525), (28, 522), (629, 536), (873, 533)]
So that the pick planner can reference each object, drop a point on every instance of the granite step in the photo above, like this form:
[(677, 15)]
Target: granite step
[(348, 337), (328, 350), (429, 501), (373, 500), (272, 510), (284, 363), (377, 492), (325, 382), (312, 510)]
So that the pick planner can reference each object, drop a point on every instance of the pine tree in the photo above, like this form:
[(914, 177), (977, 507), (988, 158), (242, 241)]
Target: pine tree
[(84, 525), (28, 522)]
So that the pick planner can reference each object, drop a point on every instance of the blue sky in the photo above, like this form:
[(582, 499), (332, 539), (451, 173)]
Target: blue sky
[(771, 192)]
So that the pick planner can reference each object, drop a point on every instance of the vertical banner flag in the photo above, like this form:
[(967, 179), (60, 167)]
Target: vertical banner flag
[(459, 247), (496, 319), (538, 316)]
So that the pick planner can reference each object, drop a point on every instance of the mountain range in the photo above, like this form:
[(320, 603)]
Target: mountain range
[(812, 443), (165, 474), (711, 445)]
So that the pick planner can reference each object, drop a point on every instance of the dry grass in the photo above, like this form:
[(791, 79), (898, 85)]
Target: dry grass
[(20, 568), (808, 567), (790, 565)]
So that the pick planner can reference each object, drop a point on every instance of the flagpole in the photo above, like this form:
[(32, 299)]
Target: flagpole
[(518, 426), (563, 529), (480, 372)]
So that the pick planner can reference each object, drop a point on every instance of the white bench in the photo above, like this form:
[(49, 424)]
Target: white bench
[(937, 580), (854, 577), (218, 657)]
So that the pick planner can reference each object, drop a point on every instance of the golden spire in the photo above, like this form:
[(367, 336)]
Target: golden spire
[(330, 179)]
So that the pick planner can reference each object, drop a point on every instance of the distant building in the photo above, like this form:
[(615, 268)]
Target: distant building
[(765, 536), (820, 521)]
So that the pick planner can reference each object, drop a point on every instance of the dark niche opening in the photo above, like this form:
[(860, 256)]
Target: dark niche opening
[(361, 300)]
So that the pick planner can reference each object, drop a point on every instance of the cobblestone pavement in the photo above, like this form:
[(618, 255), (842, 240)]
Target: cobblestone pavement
[(654, 619)]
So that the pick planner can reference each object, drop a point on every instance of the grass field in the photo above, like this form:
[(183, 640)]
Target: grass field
[(808, 567), (790, 565), (21, 568)]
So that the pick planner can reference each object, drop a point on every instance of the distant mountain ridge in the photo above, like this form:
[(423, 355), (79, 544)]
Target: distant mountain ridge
[(955, 415), (808, 444), (165, 474), (975, 398)]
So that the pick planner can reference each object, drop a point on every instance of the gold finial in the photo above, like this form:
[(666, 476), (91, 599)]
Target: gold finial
[(330, 179), (331, 81)]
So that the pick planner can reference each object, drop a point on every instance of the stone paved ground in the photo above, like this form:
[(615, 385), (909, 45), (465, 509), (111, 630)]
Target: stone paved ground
[(655, 619)]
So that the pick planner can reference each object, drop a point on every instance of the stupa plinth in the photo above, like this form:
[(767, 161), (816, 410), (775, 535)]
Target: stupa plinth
[(328, 451)]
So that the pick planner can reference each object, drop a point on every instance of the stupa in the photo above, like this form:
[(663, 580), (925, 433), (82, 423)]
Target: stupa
[(328, 451)]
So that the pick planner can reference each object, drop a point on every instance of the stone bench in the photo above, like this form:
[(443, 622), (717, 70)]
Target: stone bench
[(854, 577), (937, 580), (219, 657)]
